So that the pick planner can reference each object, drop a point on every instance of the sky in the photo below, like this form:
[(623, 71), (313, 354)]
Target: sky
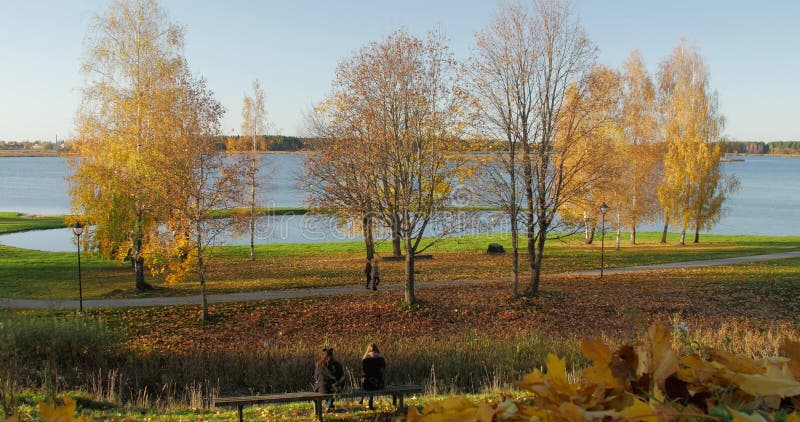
[(293, 47)]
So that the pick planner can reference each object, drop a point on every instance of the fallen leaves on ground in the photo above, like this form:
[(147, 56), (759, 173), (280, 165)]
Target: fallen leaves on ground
[(619, 307), (715, 386)]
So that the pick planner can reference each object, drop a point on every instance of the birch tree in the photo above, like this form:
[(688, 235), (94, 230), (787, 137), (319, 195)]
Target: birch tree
[(641, 148), (124, 126), (254, 124), (593, 162), (692, 190), (203, 180)]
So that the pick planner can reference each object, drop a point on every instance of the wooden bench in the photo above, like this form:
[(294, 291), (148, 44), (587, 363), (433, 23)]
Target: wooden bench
[(403, 257), (397, 392)]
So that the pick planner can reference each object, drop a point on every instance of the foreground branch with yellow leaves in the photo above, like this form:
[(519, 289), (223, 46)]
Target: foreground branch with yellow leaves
[(647, 383)]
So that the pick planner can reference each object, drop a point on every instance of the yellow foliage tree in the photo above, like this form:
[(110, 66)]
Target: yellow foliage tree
[(641, 149), (126, 128), (254, 123), (393, 106), (693, 188)]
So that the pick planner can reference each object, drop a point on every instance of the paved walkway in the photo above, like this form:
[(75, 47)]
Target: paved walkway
[(339, 290)]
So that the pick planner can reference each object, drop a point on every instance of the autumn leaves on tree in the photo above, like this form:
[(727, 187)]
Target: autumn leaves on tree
[(391, 140), (389, 127), (147, 177)]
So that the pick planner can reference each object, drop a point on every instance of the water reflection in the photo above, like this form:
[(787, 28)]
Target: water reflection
[(287, 229)]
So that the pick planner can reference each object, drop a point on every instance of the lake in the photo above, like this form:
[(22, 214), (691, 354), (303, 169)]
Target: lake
[(767, 202)]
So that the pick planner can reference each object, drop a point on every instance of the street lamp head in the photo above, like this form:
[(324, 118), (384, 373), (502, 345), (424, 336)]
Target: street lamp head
[(77, 229), (603, 208)]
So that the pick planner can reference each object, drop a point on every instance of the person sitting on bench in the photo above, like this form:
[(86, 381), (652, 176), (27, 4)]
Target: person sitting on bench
[(373, 365), (328, 375)]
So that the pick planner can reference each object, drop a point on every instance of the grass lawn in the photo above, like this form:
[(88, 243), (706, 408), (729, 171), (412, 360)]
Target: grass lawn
[(11, 222), (53, 275)]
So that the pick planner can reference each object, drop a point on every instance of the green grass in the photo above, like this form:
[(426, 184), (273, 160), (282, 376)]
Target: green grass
[(53, 275), (11, 222), (347, 410)]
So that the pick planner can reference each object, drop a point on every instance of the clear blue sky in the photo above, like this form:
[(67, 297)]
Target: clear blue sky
[(752, 49)]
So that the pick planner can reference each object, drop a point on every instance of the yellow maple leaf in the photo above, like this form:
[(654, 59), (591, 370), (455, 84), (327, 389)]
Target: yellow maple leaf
[(792, 350), (571, 412), (639, 411), (600, 372), (486, 413), (60, 414), (665, 362), (740, 364), (777, 380)]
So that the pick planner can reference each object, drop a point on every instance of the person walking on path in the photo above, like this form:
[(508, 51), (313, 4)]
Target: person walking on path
[(376, 274), (373, 366), (368, 272)]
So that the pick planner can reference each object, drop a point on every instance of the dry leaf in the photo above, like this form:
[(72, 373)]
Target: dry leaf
[(665, 362)]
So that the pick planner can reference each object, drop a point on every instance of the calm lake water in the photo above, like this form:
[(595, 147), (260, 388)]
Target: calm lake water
[(767, 202)]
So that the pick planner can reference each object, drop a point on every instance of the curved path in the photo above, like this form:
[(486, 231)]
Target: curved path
[(339, 290)]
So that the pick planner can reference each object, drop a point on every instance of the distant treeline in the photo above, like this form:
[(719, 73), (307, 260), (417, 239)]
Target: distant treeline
[(266, 143), (777, 148), (263, 143)]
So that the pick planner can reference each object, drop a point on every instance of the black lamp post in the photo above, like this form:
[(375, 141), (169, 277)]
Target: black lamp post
[(603, 210), (77, 229)]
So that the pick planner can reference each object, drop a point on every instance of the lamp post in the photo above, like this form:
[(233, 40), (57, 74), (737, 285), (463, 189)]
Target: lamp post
[(603, 210), (77, 229)]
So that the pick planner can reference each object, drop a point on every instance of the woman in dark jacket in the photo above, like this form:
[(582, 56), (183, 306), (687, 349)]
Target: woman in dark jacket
[(373, 365), (328, 375)]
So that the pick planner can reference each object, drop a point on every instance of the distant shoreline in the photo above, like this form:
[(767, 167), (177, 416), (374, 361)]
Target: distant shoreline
[(29, 153), (36, 153)]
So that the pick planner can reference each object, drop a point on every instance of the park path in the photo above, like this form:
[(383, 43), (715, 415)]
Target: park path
[(340, 290)]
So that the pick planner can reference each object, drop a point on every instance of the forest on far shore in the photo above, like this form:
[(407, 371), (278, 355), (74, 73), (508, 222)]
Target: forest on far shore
[(754, 147), (268, 143)]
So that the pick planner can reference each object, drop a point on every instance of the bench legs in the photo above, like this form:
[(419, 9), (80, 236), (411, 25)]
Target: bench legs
[(241, 416), (400, 397)]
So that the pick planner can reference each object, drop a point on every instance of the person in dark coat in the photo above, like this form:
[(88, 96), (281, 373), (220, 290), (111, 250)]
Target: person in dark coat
[(368, 272), (376, 274), (373, 366), (328, 375)]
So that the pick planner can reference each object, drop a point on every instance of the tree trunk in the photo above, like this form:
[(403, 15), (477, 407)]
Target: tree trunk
[(513, 213), (369, 241), (592, 232), (410, 299), (586, 228), (527, 174), (633, 220), (396, 239), (537, 270), (138, 265), (253, 203), (201, 271), (619, 233), (683, 237), (514, 250), (138, 259), (664, 233), (696, 235)]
